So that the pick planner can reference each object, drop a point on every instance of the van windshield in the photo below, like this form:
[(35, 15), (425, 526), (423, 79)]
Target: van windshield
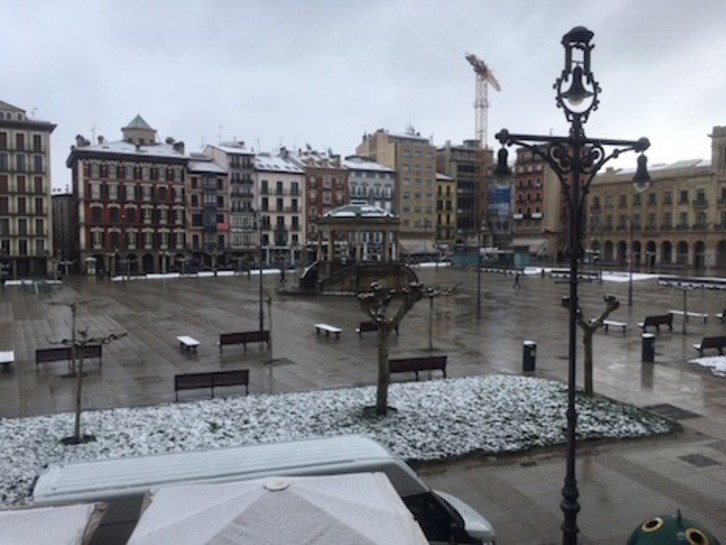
[(436, 517)]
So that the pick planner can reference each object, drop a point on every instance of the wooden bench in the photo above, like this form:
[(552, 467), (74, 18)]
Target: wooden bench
[(319, 328), (612, 323), (63, 353), (212, 380), (657, 321), (711, 342), (690, 315), (244, 337), (416, 364), (187, 343), (368, 326), (7, 358)]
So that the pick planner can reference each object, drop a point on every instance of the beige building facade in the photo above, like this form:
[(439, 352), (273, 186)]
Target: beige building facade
[(678, 222), (26, 227), (413, 158)]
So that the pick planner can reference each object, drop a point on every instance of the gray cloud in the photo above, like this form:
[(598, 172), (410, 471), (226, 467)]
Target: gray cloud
[(285, 72)]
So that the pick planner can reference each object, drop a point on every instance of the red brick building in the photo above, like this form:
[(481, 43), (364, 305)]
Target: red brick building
[(129, 196)]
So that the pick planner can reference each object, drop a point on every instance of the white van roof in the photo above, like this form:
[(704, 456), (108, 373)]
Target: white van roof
[(84, 481)]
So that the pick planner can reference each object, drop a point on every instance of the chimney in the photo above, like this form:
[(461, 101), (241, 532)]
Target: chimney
[(179, 147)]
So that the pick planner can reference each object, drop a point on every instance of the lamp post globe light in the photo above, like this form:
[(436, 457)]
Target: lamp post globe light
[(575, 159)]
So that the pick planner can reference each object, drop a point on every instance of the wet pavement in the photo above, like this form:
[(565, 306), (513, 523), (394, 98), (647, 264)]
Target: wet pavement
[(621, 483)]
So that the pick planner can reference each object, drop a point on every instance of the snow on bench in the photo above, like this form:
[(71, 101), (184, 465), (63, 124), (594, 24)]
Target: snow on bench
[(187, 343), (328, 330), (690, 314), (7, 358), (612, 323)]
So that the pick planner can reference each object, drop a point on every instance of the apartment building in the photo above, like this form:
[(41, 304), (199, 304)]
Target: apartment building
[(280, 209), (207, 212), (413, 158), (370, 182), (26, 228), (326, 186), (680, 220), (374, 185), (538, 207), (446, 227), (129, 197), (239, 162)]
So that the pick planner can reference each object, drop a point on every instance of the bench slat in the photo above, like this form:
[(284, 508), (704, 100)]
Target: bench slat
[(416, 364), (244, 337), (192, 381)]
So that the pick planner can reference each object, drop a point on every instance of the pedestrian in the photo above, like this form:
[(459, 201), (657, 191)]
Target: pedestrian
[(282, 274), (516, 280)]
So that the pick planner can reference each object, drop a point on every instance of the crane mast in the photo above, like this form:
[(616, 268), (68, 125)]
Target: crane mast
[(484, 78)]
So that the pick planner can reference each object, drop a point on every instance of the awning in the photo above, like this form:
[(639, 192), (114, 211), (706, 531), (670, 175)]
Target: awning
[(537, 246), (417, 246)]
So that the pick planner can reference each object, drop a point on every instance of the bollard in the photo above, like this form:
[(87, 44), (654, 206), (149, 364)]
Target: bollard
[(529, 356), (648, 347)]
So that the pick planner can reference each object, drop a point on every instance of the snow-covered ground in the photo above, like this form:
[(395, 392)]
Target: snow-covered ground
[(433, 420)]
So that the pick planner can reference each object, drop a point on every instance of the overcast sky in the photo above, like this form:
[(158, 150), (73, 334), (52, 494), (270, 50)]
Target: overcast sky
[(324, 72)]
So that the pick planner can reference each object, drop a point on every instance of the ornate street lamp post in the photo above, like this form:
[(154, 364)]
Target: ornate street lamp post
[(575, 159), (631, 257)]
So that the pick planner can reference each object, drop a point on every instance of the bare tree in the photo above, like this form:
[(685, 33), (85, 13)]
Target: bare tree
[(588, 330), (375, 303), (76, 342)]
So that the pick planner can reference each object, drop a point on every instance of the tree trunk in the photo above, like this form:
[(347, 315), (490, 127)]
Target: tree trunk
[(384, 330), (587, 344), (79, 394), (431, 323)]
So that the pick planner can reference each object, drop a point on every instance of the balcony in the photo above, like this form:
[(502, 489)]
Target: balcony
[(700, 203)]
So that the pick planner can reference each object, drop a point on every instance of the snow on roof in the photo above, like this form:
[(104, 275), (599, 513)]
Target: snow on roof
[(360, 210), (276, 164), (356, 162), (442, 176), (660, 167), (205, 166), (233, 147), (127, 148)]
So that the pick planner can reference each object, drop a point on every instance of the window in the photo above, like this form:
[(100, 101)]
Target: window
[(112, 192), (146, 192), (129, 192), (279, 207), (667, 198), (95, 190), (22, 227), (20, 162), (19, 141), (37, 142), (39, 227), (3, 140), (96, 215), (114, 215), (147, 215), (39, 206), (683, 199), (651, 198)]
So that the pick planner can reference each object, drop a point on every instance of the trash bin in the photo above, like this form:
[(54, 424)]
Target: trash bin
[(648, 347), (529, 357)]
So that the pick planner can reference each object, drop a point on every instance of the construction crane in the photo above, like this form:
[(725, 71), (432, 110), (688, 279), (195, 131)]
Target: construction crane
[(484, 78)]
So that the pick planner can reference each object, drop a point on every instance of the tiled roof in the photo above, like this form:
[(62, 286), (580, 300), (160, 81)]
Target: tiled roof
[(138, 123)]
